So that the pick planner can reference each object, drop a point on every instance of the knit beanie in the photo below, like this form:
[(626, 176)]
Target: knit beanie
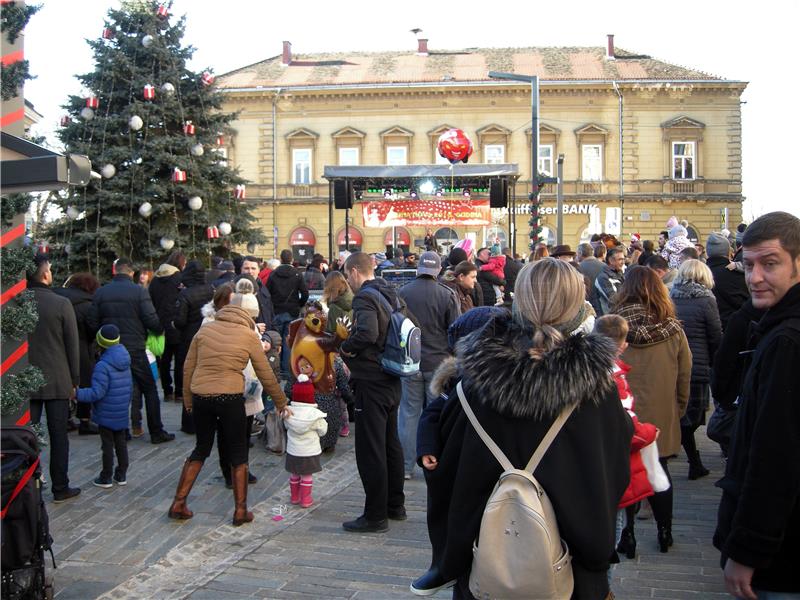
[(303, 390), (247, 302), (108, 336), (470, 321), (740, 229), (456, 256), (678, 230), (717, 245)]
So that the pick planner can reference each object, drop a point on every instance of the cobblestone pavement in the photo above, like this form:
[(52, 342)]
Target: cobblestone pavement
[(119, 543)]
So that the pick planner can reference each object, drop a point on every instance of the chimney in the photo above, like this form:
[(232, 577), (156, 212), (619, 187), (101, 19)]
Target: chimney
[(610, 47), (287, 53), (422, 46)]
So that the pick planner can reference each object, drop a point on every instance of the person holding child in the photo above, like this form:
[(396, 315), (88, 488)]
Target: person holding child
[(110, 395), (304, 428)]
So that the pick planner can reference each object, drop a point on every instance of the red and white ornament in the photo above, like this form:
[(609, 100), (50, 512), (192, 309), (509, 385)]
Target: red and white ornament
[(220, 140), (212, 232), (162, 12), (42, 247), (240, 192), (188, 128), (92, 102), (224, 228), (149, 92), (108, 33), (178, 176), (207, 78), (65, 121)]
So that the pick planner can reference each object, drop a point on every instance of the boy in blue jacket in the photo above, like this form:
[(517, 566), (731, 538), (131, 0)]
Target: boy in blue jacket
[(110, 393)]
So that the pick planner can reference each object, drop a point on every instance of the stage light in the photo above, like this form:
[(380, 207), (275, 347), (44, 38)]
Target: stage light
[(427, 187), (439, 193), (413, 194), (387, 194), (466, 193)]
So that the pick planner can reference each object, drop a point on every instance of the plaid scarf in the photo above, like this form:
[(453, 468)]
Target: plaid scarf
[(643, 329)]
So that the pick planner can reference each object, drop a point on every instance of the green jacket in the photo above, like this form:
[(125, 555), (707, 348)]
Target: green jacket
[(341, 307)]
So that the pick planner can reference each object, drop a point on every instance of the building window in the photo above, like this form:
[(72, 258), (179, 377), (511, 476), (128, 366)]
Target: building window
[(396, 155), (546, 160), (592, 162), (301, 166), (683, 160), (348, 157), (495, 154)]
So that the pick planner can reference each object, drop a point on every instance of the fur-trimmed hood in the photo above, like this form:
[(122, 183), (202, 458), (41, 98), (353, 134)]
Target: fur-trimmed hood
[(497, 368), (444, 377), (689, 289)]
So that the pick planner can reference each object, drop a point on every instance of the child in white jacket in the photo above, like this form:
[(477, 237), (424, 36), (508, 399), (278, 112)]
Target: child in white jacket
[(305, 426)]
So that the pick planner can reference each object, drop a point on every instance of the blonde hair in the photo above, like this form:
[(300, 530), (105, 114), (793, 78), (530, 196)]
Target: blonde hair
[(697, 271), (547, 293), (335, 285)]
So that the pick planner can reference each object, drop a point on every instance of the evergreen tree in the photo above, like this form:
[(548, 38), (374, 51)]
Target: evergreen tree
[(138, 144)]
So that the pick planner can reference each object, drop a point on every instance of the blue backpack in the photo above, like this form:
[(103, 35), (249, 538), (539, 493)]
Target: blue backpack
[(402, 350)]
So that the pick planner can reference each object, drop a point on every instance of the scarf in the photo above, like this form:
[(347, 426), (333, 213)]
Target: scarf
[(643, 329)]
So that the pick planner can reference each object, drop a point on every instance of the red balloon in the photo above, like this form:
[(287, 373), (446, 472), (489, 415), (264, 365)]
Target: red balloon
[(455, 146)]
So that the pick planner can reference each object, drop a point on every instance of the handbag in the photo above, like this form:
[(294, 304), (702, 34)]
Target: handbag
[(252, 391), (720, 425), (274, 433), (655, 472)]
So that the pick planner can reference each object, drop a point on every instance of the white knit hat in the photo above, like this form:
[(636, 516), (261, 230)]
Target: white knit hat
[(246, 301)]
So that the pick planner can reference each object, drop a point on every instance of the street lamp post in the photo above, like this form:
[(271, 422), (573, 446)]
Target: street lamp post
[(534, 81)]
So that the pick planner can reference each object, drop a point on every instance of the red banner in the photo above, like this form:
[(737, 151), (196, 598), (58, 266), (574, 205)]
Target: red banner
[(439, 211)]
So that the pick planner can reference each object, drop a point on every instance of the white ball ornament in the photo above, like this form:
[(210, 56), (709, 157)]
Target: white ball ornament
[(197, 150), (224, 228), (168, 89), (195, 203), (87, 114), (167, 243), (108, 171), (146, 209), (135, 123), (72, 212), (147, 41), (67, 248)]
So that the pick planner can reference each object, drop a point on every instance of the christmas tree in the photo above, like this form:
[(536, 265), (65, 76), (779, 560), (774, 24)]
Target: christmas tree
[(154, 131)]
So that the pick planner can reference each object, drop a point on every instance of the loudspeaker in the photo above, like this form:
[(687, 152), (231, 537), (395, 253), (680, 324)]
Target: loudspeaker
[(342, 194), (498, 193)]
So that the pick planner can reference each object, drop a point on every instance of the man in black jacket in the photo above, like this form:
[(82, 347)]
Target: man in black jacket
[(379, 455), (266, 312), (53, 348), (730, 288), (129, 307), (289, 293), (435, 306), (758, 527), (164, 291)]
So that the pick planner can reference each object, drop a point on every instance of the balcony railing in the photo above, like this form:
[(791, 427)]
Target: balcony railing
[(591, 187)]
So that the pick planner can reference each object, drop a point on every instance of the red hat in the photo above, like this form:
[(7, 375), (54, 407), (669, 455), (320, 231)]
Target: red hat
[(303, 390)]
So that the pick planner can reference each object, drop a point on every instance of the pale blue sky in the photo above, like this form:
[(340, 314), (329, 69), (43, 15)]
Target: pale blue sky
[(745, 41)]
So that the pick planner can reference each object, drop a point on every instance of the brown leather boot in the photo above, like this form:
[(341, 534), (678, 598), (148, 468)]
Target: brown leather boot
[(240, 515), (179, 510)]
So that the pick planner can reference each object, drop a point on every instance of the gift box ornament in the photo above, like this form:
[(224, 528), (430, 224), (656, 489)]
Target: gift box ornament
[(207, 78), (240, 192), (178, 176), (92, 102), (212, 232), (162, 12), (65, 121), (149, 92), (188, 128), (108, 33)]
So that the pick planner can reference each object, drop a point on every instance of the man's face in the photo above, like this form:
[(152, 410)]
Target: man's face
[(661, 240), (770, 272), (483, 255), (250, 268), (617, 261), (565, 258), (411, 259)]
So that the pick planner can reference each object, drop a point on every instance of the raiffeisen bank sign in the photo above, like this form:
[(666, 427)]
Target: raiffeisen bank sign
[(567, 209)]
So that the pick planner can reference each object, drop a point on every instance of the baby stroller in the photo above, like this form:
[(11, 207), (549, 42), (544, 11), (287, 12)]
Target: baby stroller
[(25, 526)]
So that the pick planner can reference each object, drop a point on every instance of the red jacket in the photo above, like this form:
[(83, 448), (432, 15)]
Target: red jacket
[(264, 275), (643, 434)]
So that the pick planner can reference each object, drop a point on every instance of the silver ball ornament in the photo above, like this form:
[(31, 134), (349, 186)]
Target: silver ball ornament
[(108, 171), (147, 41), (168, 89), (195, 203), (135, 123), (224, 228), (87, 114), (167, 243), (197, 150), (73, 212), (146, 209)]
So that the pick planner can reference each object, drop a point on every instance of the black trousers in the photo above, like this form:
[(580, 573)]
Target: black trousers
[(226, 414), (145, 384), (379, 455), (57, 416), (165, 371), (222, 448), (113, 441), (661, 502)]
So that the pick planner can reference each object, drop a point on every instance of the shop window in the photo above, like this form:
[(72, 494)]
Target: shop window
[(396, 155), (301, 166), (683, 160), (592, 162), (348, 157), (546, 160), (494, 154)]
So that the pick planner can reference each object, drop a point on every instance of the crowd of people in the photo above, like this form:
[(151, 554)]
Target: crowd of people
[(632, 343)]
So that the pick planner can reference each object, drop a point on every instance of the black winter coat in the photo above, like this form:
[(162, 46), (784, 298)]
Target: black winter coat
[(697, 311), (511, 270), (128, 306), (164, 291), (516, 399), (759, 515), (287, 289), (53, 345), (190, 301), (81, 303), (730, 288)]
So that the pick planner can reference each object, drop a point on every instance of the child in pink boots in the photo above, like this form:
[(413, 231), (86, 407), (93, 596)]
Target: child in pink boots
[(304, 428)]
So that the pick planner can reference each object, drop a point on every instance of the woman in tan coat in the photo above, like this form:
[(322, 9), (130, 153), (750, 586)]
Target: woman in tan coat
[(661, 367), (213, 391)]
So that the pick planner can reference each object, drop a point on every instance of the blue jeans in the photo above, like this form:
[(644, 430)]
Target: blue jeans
[(415, 396), (281, 324)]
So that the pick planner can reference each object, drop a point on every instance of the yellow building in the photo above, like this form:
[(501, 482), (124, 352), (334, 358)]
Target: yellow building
[(642, 139)]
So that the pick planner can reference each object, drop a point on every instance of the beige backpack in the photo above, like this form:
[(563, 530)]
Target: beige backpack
[(519, 552)]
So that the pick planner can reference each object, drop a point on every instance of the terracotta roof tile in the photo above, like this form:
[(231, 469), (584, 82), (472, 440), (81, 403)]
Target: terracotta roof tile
[(474, 64)]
